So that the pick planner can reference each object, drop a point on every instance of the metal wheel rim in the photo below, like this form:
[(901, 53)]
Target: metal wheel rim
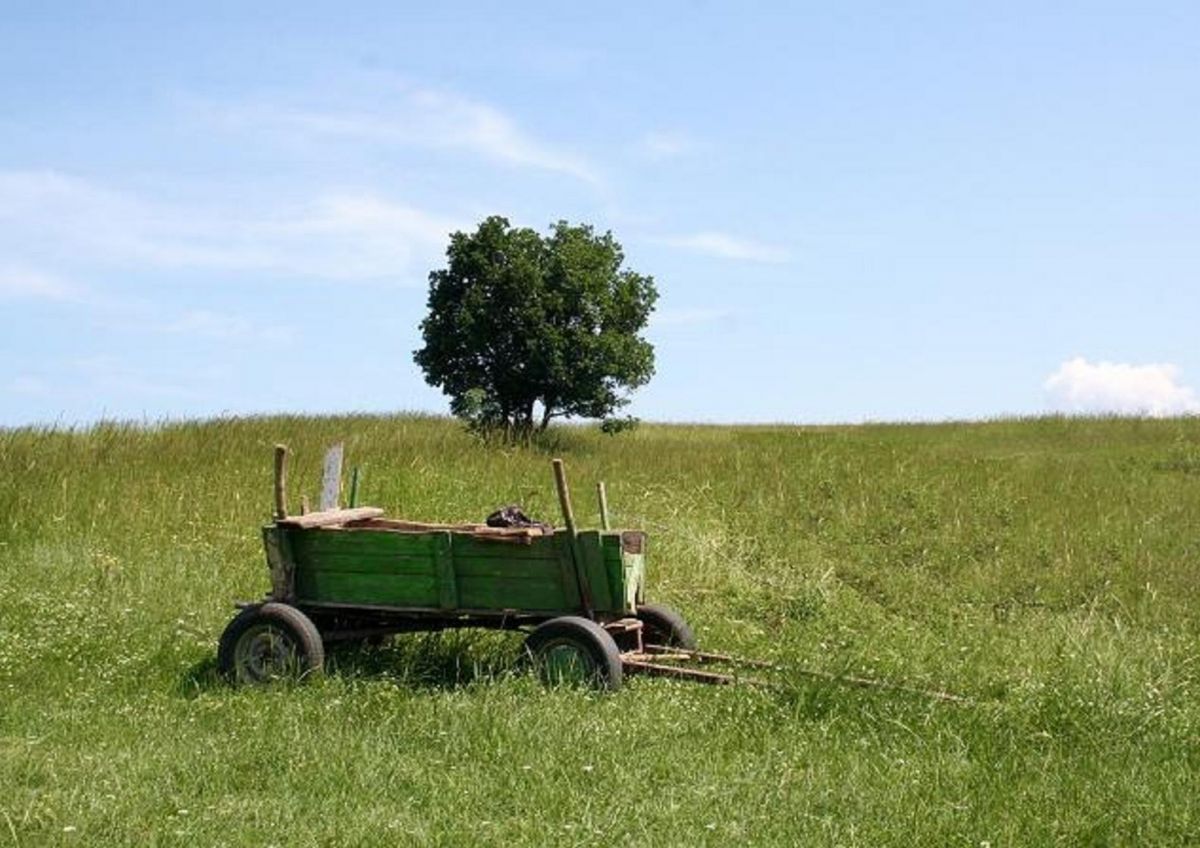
[(566, 661), (265, 653)]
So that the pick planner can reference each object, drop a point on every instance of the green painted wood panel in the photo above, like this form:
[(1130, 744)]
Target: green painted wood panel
[(373, 563), (384, 589), (544, 548), (592, 562), (516, 593), (450, 571), (572, 599), (541, 569), (319, 541), (361, 566), (443, 555)]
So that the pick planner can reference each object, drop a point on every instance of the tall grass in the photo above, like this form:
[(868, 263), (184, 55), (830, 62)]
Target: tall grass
[(1047, 568)]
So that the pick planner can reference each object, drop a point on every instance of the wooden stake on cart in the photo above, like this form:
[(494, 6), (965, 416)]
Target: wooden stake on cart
[(603, 497), (280, 482), (564, 496), (564, 502)]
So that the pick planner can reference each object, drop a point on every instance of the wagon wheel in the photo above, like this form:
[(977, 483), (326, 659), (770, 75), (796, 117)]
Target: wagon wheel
[(270, 642), (575, 650), (663, 625)]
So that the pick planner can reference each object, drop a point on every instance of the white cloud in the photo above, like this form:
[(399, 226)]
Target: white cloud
[(28, 384), (105, 375), (224, 327), (18, 281), (419, 117), (689, 316), (1081, 386), (664, 144), (340, 236), (725, 246)]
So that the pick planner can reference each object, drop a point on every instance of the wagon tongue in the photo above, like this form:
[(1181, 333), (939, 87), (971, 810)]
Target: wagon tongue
[(667, 661)]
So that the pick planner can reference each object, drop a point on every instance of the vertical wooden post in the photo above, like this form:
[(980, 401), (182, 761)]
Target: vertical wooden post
[(581, 578), (280, 482), (331, 477), (354, 488), (564, 495), (603, 496)]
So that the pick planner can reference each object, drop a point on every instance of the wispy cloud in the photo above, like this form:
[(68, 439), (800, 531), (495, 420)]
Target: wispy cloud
[(225, 327), (1081, 386), (416, 116), (19, 281), (726, 246), (335, 236), (690, 316), (92, 379), (29, 385), (664, 144)]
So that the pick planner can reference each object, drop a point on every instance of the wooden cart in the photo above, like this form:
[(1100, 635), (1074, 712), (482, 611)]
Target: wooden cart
[(354, 574)]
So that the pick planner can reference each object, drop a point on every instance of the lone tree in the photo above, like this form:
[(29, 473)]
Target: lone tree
[(523, 328)]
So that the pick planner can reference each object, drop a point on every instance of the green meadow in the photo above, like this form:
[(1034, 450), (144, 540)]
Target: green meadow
[(1046, 569)]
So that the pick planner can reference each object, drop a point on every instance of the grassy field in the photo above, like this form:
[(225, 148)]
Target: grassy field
[(1049, 569)]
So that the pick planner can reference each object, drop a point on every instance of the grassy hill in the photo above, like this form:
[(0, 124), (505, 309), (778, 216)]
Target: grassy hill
[(1049, 569)]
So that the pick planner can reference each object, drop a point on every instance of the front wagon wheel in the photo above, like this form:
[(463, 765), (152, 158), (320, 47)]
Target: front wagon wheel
[(575, 650), (270, 642)]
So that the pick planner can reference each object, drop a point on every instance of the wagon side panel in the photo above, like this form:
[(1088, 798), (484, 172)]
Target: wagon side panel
[(361, 567), (491, 574), (606, 592)]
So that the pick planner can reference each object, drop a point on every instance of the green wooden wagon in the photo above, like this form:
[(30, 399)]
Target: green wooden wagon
[(355, 574)]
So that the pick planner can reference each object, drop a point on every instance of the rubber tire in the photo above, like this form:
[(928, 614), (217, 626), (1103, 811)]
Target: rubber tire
[(585, 634), (310, 649), (663, 625)]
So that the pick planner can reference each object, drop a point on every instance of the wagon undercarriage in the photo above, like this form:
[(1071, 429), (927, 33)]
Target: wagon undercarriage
[(358, 624)]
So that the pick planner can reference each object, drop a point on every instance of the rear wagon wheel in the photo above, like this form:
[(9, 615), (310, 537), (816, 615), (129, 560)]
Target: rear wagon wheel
[(270, 642), (663, 625), (571, 649)]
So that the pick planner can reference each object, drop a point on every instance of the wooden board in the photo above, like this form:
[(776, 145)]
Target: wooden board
[(330, 517)]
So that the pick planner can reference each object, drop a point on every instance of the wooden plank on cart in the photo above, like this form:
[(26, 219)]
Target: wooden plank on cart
[(330, 517)]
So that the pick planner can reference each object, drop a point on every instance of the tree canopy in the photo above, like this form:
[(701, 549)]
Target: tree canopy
[(523, 328)]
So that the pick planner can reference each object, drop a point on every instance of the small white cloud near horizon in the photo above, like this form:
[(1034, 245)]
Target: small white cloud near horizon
[(1083, 387), (726, 246)]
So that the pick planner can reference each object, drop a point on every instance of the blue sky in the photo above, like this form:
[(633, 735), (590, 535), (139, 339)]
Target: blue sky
[(853, 211)]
